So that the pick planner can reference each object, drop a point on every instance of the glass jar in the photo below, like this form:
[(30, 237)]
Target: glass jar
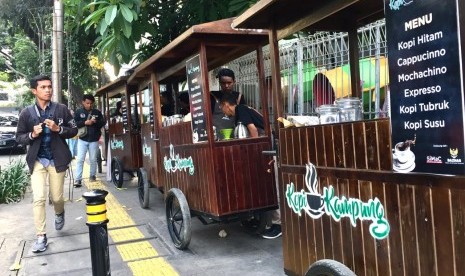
[(328, 113), (350, 109)]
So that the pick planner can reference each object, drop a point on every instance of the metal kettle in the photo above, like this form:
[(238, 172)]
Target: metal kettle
[(241, 131)]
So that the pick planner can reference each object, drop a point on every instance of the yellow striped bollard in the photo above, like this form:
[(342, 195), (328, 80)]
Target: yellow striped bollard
[(98, 234)]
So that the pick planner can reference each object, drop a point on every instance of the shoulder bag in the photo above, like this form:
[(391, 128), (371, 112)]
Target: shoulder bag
[(82, 131)]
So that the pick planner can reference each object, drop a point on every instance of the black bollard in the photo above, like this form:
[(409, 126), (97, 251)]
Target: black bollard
[(98, 234)]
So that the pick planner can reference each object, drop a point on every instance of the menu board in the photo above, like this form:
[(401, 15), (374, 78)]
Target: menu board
[(425, 86), (197, 106), (151, 118), (124, 110)]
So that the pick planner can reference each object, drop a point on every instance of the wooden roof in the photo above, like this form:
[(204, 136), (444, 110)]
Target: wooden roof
[(290, 16), (223, 45), (118, 83)]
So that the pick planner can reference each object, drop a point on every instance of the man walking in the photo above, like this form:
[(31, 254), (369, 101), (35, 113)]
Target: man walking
[(45, 126), (92, 119)]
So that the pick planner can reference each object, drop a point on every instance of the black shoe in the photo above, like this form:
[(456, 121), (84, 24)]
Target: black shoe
[(78, 184), (273, 232), (92, 178)]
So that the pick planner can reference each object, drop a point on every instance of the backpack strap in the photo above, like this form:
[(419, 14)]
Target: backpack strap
[(34, 112)]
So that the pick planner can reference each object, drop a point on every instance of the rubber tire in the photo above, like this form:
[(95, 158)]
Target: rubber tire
[(117, 172), (263, 219), (177, 210), (143, 188), (328, 267)]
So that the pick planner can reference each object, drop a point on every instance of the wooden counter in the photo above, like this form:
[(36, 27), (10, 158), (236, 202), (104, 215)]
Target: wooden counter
[(424, 211), (229, 177)]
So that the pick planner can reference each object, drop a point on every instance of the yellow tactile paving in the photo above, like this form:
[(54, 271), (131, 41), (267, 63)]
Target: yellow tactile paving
[(145, 267), (133, 251), (126, 234)]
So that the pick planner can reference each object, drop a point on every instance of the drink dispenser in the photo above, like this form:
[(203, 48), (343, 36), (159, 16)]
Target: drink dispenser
[(350, 109), (328, 113)]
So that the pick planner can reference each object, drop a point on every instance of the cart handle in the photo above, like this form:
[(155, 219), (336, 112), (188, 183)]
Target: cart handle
[(269, 152), (152, 136)]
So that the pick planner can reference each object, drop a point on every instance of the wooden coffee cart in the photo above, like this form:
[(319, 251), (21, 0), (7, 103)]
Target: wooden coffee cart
[(123, 132), (216, 181), (151, 162), (343, 207)]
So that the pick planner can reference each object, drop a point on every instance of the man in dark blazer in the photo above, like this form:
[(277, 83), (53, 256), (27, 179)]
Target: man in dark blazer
[(45, 126)]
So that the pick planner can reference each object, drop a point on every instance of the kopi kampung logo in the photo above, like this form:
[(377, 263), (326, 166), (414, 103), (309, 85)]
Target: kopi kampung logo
[(396, 4), (117, 144), (175, 163), (315, 205)]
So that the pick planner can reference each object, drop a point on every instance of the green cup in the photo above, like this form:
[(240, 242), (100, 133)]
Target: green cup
[(226, 133)]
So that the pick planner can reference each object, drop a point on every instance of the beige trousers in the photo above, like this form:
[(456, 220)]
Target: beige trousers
[(39, 191)]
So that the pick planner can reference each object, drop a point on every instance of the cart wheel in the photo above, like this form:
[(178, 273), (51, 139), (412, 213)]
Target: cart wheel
[(257, 223), (117, 172), (178, 218), (329, 268), (143, 188)]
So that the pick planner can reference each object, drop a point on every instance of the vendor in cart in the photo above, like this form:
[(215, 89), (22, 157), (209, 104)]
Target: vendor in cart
[(249, 117), (227, 81)]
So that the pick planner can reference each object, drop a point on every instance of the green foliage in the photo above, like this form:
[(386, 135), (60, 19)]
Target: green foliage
[(239, 6), (4, 76), (13, 182), (113, 21), (80, 44), (25, 99), (26, 58), (121, 24)]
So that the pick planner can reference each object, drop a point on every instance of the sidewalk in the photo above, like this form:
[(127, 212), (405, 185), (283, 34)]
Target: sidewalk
[(139, 243), (68, 251)]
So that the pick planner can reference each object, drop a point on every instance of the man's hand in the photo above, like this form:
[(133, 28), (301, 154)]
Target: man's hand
[(91, 121), (51, 125), (37, 130)]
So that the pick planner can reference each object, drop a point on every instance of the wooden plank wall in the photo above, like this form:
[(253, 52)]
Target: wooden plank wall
[(128, 155), (425, 213), (229, 178), (198, 188), (153, 165), (244, 176)]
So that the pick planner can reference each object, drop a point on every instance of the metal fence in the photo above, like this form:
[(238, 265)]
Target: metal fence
[(315, 70)]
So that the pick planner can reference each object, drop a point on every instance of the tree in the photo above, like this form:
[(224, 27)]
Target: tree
[(26, 58), (22, 13), (18, 54), (121, 24)]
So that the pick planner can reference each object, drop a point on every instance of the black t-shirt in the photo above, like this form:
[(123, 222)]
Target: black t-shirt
[(167, 110), (248, 115), (217, 95)]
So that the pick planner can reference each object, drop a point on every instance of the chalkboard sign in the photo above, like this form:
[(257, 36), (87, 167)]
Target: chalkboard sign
[(197, 106), (151, 120), (425, 86), (124, 110)]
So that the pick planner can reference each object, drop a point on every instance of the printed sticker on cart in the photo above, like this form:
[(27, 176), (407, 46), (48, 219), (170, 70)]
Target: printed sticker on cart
[(315, 205)]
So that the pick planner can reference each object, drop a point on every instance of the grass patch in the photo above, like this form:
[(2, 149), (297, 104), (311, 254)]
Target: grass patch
[(13, 182)]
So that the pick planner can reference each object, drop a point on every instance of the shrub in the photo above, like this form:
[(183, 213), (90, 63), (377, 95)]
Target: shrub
[(13, 182)]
